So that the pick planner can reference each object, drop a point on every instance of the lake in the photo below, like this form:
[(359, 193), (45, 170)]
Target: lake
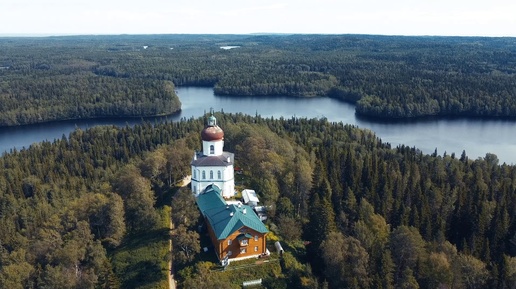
[(476, 136)]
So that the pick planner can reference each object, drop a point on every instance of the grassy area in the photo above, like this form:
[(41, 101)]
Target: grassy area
[(252, 269), (142, 259)]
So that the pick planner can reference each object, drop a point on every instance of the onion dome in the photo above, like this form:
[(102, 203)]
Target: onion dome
[(212, 132)]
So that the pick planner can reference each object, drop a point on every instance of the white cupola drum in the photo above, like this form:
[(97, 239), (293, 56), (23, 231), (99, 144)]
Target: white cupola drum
[(212, 138)]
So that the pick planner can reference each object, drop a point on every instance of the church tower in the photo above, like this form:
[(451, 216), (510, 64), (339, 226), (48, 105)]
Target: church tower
[(213, 166)]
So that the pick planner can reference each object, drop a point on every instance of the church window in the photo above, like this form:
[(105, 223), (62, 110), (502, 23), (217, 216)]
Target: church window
[(203, 175), (195, 174), (219, 174), (212, 149), (211, 175)]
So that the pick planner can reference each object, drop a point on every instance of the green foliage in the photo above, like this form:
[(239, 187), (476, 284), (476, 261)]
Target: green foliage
[(184, 209), (139, 198), (186, 245), (290, 228), (203, 276), (16, 270), (35, 97), (141, 261), (297, 275), (407, 219), (59, 207), (346, 262), (386, 76), (472, 272), (407, 247)]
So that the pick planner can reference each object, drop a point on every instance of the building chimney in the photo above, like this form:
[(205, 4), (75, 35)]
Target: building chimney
[(244, 211), (231, 214)]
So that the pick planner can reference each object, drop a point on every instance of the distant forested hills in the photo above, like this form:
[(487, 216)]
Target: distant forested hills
[(52, 78)]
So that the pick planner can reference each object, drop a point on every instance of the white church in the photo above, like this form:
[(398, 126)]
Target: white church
[(213, 165)]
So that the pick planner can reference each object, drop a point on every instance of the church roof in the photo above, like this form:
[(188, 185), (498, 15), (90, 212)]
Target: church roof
[(212, 132), (225, 219), (210, 198), (213, 161)]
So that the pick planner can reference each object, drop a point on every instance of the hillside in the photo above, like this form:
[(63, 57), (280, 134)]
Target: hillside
[(88, 211), (54, 78)]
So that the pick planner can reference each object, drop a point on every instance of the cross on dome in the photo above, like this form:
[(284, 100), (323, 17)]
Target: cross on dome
[(212, 121)]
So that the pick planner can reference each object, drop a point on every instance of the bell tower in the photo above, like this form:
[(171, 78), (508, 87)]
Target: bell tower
[(212, 138), (212, 165)]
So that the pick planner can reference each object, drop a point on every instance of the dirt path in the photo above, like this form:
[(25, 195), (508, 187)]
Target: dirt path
[(171, 280), (172, 284), (186, 181)]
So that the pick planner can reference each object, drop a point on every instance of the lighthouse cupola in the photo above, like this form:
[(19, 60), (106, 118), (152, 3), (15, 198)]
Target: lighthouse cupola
[(213, 166), (212, 138)]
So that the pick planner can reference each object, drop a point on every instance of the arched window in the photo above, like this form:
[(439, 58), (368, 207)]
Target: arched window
[(219, 175), (211, 175), (195, 174), (203, 175), (212, 149)]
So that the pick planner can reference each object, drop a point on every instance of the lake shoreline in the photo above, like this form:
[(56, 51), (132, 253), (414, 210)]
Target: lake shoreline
[(476, 136)]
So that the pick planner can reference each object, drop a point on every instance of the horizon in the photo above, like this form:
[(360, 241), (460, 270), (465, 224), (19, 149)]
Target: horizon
[(49, 35), (370, 17)]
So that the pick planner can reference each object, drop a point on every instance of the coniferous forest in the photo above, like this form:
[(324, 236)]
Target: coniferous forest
[(71, 77), (92, 209), (353, 212)]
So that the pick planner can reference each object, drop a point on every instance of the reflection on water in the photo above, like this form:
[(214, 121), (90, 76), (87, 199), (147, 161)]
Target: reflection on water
[(476, 136)]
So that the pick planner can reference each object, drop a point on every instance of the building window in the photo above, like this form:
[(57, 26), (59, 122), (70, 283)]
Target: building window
[(203, 175), (229, 242), (256, 237), (230, 253), (219, 175), (256, 248), (212, 149), (195, 174), (243, 251), (211, 175), (243, 242)]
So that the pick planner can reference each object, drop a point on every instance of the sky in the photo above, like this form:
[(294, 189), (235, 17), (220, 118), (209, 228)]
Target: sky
[(385, 17)]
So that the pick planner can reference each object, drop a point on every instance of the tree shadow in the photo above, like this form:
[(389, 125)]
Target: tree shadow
[(142, 273)]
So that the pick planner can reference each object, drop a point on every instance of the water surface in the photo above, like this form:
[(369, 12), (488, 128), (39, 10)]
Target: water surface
[(476, 136)]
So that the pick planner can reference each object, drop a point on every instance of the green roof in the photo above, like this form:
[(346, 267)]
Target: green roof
[(226, 219), (210, 198)]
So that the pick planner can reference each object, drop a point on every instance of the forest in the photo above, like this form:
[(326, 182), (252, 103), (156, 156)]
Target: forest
[(71, 77), (91, 210)]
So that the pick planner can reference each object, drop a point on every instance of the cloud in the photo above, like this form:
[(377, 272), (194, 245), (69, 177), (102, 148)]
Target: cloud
[(408, 17)]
